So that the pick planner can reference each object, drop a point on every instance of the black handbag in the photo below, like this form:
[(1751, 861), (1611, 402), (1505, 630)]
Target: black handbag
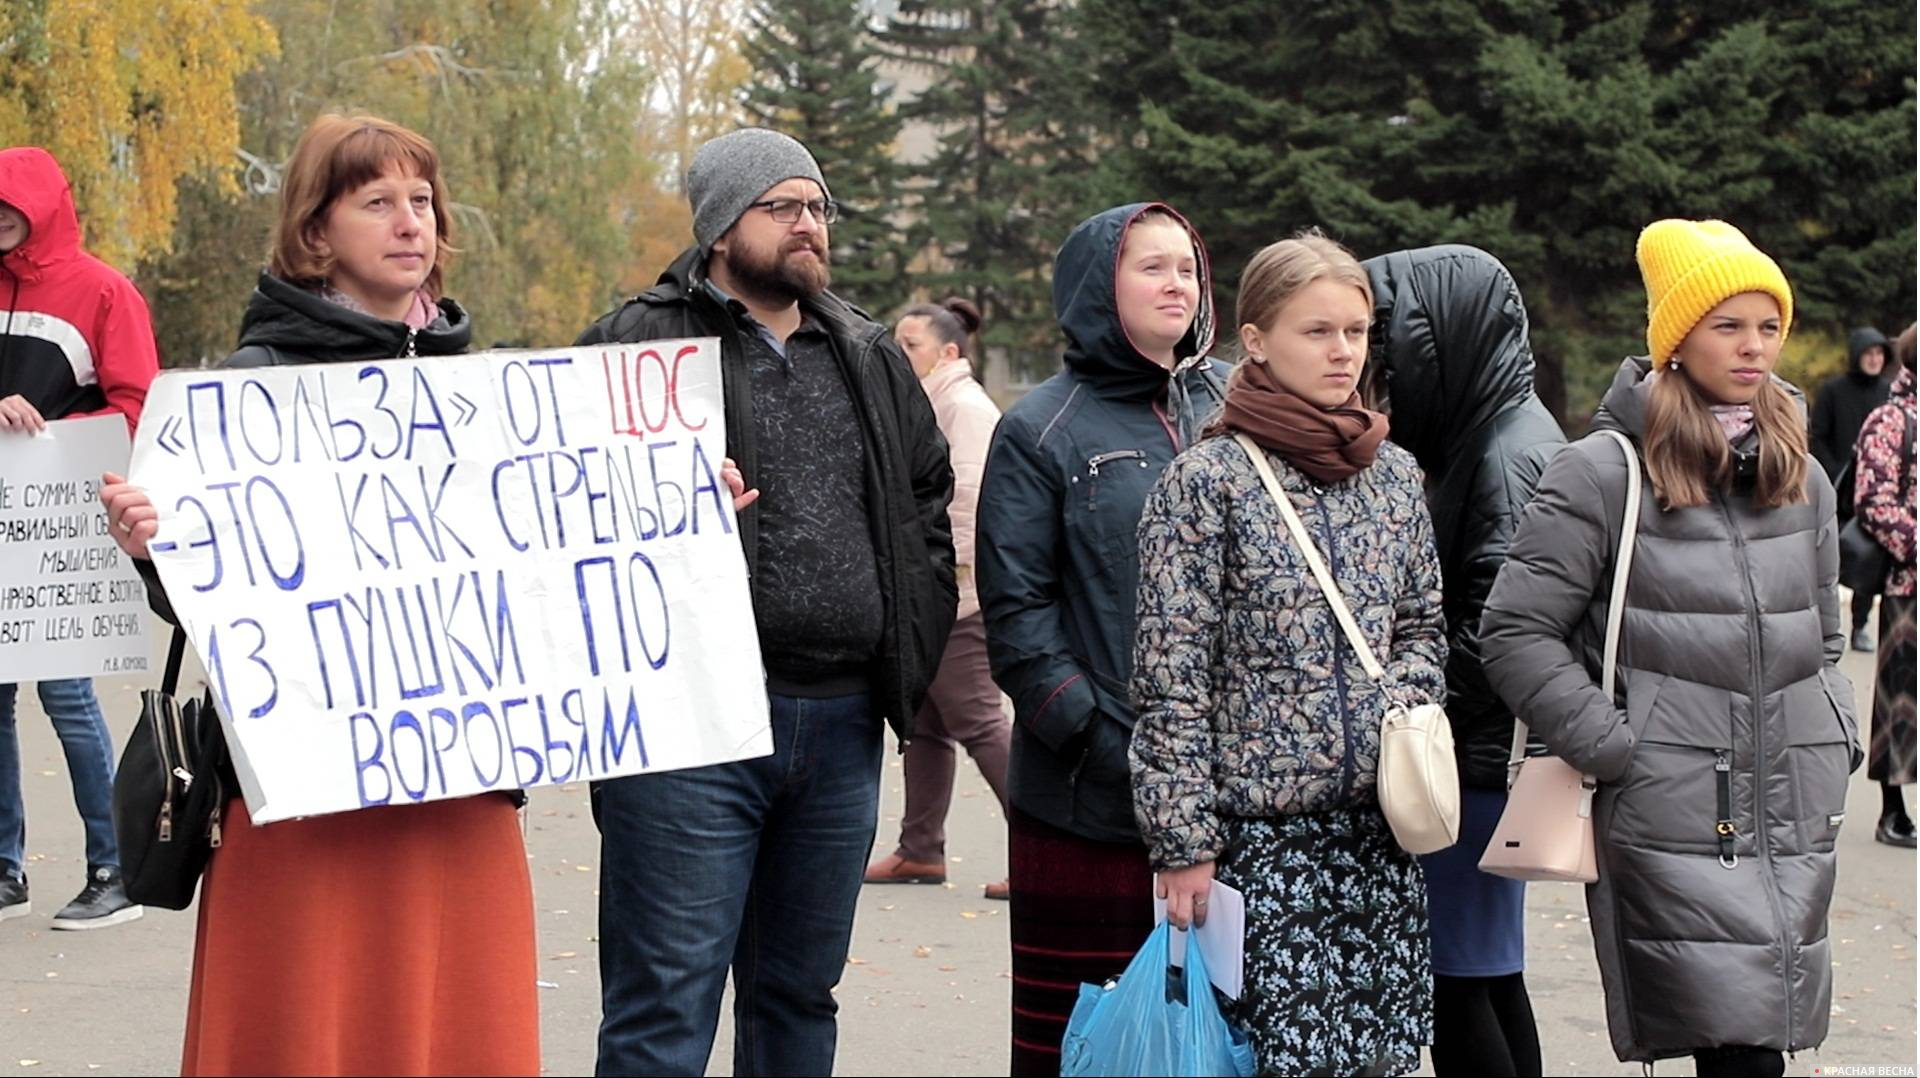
[(1863, 561), (169, 791)]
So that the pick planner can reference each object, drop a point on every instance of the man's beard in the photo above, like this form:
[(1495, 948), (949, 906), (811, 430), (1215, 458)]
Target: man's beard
[(779, 278)]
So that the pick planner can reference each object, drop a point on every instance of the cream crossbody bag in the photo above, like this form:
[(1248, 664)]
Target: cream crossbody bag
[(1419, 783), (1546, 830)]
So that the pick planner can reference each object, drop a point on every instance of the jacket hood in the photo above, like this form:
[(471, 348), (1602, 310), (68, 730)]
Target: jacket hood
[(1098, 349), (1857, 344), (1451, 329), (290, 319), (31, 182), (1624, 407)]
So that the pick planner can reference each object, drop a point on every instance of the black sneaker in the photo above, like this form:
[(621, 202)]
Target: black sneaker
[(13, 896), (102, 902), (1862, 639)]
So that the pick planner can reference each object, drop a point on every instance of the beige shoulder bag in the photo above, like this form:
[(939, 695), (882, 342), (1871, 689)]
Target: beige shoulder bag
[(1419, 783), (1546, 830)]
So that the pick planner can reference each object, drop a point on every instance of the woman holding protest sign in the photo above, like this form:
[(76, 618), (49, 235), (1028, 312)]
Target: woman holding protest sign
[(391, 940)]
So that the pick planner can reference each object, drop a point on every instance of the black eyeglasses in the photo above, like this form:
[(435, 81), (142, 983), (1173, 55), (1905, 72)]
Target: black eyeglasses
[(787, 210)]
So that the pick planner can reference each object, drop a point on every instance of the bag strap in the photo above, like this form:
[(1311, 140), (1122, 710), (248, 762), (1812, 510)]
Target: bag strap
[(1616, 602), (176, 651), (1312, 554), (1906, 458)]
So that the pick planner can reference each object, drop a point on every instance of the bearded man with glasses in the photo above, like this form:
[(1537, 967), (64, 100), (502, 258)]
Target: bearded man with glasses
[(756, 865)]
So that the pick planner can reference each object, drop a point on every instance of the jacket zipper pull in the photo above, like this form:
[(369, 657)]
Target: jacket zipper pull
[(1723, 781), (213, 828), (409, 352), (166, 820)]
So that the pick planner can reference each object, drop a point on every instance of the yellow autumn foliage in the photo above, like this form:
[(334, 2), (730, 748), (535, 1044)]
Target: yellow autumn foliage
[(131, 96)]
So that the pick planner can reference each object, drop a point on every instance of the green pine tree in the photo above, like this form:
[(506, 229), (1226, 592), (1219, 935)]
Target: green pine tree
[(1548, 134), (1015, 167), (814, 78)]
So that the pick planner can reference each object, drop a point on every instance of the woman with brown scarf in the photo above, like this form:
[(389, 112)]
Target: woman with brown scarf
[(1259, 729)]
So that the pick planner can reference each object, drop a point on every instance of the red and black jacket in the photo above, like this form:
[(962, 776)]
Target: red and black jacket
[(75, 336)]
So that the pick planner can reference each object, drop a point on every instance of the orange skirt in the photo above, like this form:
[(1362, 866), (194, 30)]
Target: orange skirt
[(391, 941)]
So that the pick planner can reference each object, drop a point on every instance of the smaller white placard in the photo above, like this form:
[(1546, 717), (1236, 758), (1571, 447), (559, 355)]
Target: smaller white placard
[(71, 604)]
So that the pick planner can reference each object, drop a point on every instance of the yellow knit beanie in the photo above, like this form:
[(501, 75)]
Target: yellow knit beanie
[(1690, 268)]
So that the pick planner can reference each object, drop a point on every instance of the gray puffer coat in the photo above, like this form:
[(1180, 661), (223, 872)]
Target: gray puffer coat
[(1728, 710)]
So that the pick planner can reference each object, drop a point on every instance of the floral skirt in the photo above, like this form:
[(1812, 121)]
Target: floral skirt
[(1338, 977)]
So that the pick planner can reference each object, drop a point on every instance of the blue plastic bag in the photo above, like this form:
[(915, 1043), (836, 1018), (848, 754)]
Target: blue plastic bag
[(1154, 1020)]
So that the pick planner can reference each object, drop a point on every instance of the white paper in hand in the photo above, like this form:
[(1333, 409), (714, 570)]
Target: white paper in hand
[(1223, 937)]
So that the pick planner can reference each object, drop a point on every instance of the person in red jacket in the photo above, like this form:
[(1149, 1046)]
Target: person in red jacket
[(75, 339)]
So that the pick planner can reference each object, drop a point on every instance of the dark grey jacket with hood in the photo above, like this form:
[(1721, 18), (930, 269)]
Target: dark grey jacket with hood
[(1450, 333), (1057, 547), (1723, 758), (1841, 407)]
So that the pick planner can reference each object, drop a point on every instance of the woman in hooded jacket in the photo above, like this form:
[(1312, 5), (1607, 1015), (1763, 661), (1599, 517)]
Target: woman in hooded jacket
[(1258, 738), (1056, 560), (1723, 758), (1840, 408), (1451, 352)]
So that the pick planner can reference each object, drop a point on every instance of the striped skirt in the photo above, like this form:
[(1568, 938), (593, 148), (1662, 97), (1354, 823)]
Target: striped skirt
[(1080, 910), (1891, 746)]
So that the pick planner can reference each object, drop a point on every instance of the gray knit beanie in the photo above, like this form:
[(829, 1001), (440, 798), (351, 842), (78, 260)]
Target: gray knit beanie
[(733, 171)]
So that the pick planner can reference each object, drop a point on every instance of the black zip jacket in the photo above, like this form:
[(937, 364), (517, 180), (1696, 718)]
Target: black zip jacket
[(1057, 554), (908, 479)]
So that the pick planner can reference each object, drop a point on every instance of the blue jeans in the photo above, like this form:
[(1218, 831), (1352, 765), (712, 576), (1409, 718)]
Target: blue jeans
[(83, 734), (754, 865)]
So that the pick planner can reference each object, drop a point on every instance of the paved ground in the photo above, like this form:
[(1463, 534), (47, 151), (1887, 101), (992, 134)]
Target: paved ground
[(926, 985)]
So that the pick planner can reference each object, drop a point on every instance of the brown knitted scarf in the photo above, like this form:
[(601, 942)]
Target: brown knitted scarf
[(1328, 444)]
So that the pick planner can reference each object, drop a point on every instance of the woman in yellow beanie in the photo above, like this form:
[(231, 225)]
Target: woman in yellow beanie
[(1723, 757)]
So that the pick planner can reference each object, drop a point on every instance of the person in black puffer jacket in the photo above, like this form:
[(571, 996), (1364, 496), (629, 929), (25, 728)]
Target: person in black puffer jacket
[(1840, 408), (1450, 336), (1056, 560)]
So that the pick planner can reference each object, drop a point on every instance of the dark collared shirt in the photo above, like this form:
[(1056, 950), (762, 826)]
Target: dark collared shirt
[(816, 595)]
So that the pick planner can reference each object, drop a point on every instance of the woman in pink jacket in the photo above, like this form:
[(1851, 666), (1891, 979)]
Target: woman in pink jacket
[(963, 705)]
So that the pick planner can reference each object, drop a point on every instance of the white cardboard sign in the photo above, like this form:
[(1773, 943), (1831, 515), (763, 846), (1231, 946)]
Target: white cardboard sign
[(71, 605), (418, 579)]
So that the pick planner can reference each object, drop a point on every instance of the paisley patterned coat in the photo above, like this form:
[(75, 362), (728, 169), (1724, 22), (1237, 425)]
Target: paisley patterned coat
[(1250, 700)]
